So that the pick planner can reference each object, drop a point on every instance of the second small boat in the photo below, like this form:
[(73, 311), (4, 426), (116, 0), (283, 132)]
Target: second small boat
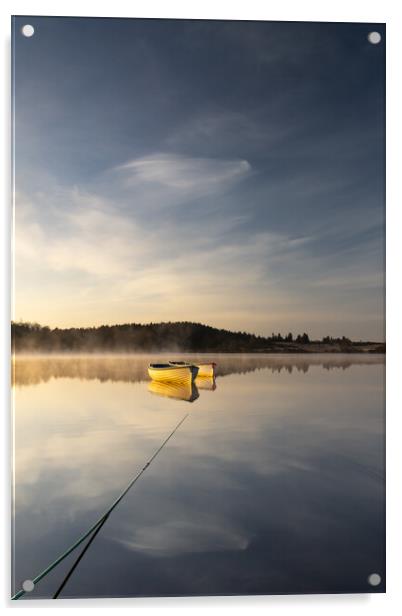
[(205, 369)]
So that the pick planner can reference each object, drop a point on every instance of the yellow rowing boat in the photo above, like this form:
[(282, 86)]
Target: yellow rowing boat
[(207, 370), (185, 373)]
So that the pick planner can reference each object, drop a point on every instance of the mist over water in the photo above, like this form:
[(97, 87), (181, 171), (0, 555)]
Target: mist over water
[(29, 369), (273, 484)]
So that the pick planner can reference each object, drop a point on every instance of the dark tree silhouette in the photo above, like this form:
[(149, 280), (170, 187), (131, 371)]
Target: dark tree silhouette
[(178, 336)]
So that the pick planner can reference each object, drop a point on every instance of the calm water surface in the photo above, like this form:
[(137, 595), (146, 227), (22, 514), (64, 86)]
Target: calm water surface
[(274, 483)]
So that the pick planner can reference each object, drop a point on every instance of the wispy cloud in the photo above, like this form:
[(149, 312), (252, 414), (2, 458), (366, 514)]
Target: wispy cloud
[(185, 173), (190, 271), (207, 269)]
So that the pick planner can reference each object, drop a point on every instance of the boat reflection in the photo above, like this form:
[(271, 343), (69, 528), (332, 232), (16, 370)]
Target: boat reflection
[(206, 382), (179, 391)]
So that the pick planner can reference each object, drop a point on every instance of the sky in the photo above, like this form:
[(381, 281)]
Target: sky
[(228, 173)]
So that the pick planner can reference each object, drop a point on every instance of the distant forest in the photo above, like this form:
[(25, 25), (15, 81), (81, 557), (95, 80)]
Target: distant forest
[(178, 336)]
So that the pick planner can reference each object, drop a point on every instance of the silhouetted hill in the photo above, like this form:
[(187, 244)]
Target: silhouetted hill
[(179, 336)]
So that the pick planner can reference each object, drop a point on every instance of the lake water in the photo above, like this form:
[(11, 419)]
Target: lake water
[(274, 483)]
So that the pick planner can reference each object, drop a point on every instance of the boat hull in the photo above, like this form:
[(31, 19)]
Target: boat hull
[(173, 374)]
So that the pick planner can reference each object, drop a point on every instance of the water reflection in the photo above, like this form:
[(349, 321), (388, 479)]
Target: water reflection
[(31, 369), (182, 391), (206, 382), (273, 484)]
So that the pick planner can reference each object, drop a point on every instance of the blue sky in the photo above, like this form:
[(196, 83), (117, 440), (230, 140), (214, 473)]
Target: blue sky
[(224, 172)]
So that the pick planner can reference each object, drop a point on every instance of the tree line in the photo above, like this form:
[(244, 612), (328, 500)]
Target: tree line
[(169, 336)]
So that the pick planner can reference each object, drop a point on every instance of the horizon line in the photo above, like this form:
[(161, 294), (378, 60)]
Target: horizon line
[(250, 333)]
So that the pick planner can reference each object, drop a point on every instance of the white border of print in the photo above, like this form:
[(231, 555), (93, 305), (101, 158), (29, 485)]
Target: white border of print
[(287, 10)]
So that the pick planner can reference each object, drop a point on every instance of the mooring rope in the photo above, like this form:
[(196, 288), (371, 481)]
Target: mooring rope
[(100, 521), (77, 561)]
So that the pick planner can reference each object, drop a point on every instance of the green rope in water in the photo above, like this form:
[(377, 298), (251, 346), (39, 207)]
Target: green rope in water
[(78, 560), (58, 560)]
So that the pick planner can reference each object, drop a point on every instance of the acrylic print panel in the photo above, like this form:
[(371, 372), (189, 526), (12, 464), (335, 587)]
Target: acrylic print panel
[(198, 317)]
